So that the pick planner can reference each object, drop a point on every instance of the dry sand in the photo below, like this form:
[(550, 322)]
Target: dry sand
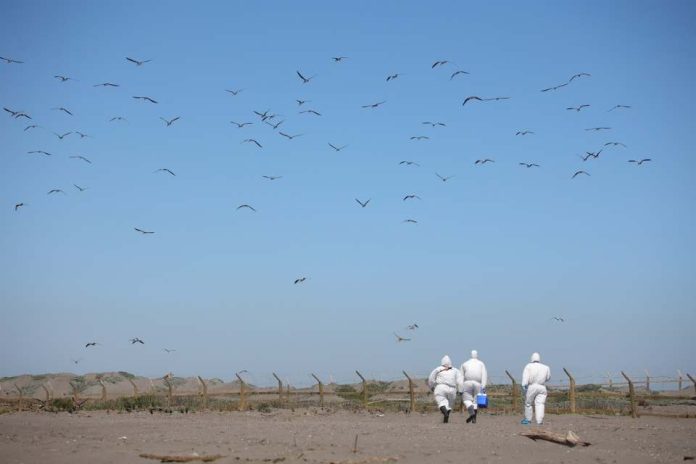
[(315, 436)]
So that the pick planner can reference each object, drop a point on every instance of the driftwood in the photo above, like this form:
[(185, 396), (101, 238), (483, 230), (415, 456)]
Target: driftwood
[(569, 439), (185, 458)]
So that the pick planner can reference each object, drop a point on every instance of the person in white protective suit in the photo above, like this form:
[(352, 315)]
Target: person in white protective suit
[(445, 381), (475, 379), (534, 376)]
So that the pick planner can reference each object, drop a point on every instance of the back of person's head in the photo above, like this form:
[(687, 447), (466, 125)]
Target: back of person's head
[(446, 361), (474, 354), (536, 358)]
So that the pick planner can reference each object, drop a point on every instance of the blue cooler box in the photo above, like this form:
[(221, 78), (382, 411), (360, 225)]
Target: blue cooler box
[(482, 400)]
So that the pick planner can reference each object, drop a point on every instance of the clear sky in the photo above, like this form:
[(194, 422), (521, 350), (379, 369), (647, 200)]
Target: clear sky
[(498, 249)]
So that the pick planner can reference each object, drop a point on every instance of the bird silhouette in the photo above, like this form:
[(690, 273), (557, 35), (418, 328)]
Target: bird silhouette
[(615, 144), (136, 340), (598, 128), (457, 73), (137, 62), (18, 205), (40, 152), (91, 344), (171, 121), (555, 87), (81, 189), (272, 177), (442, 124), (484, 161), (374, 105), (64, 110), (361, 203), (391, 77), (300, 280), (241, 124), (106, 84), (81, 134), (529, 165), (276, 125), (577, 108), (118, 118), (144, 232), (420, 137), (146, 99), (52, 191), (302, 102), (411, 197), (409, 163), (246, 206), (62, 136), (412, 327), (576, 76), (524, 132), (315, 113), (558, 319), (400, 339), (477, 98), (164, 170), (410, 221), (616, 107), (31, 126), (305, 80), (10, 60), (288, 136), (80, 157), (233, 92), (338, 59), (168, 350), (439, 63), (337, 148), (443, 179), (63, 78), (577, 173), (639, 162), (254, 141)]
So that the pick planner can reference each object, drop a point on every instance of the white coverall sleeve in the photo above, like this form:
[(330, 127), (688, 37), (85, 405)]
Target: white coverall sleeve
[(525, 376), (460, 380), (484, 376), (548, 374), (432, 377)]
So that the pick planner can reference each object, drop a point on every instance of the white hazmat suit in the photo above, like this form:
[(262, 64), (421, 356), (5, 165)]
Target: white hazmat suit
[(445, 382), (534, 376), (475, 378)]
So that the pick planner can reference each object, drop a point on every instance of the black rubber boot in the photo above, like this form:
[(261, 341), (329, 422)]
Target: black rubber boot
[(473, 421), (445, 414), (472, 415)]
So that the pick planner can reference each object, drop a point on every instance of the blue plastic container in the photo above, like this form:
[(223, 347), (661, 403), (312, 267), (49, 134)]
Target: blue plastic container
[(482, 400)]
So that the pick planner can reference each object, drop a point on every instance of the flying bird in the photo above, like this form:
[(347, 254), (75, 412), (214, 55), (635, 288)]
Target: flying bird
[(82, 158), (18, 205), (136, 340), (233, 92), (300, 280), (411, 197), (361, 203), (442, 124), (474, 97), (10, 60), (302, 102), (63, 110), (246, 206), (241, 124), (620, 107), (555, 87), (171, 121), (391, 77), (106, 84), (288, 136), (81, 189), (374, 105), (118, 118), (598, 128), (399, 338), (61, 137), (275, 126), (52, 191), (577, 173), (524, 132), (338, 59), (639, 162), (272, 177), (76, 361), (91, 344), (577, 108), (137, 62), (168, 350), (63, 78), (315, 113), (558, 319), (410, 221), (576, 76), (409, 163), (337, 148), (484, 161), (443, 179), (40, 152), (82, 136), (144, 232), (164, 170), (615, 144), (146, 99), (32, 126), (17, 114), (412, 327), (439, 63), (263, 115), (420, 137), (305, 80), (456, 73), (529, 165), (252, 141)]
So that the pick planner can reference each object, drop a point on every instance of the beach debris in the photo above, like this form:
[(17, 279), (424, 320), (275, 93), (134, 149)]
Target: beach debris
[(181, 458), (570, 439)]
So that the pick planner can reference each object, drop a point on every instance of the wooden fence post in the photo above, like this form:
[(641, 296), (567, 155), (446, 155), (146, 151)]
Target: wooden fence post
[(679, 381), (169, 390), (321, 391), (411, 393), (571, 391), (280, 387), (204, 392), (611, 385), (632, 395), (135, 387), (20, 406), (364, 389), (287, 392), (242, 393), (515, 392), (103, 388), (647, 381), (692, 379)]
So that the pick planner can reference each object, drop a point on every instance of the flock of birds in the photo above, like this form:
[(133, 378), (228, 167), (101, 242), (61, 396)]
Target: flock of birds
[(275, 122)]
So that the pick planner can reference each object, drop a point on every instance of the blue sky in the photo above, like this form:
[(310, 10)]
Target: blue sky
[(498, 249)]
